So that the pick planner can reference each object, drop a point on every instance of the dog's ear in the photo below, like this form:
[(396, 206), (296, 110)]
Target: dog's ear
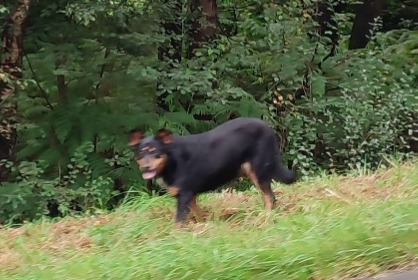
[(164, 135), (135, 137)]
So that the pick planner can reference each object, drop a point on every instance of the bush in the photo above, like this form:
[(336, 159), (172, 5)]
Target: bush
[(367, 112)]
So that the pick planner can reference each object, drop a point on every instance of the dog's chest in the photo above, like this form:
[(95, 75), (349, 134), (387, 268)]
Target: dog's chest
[(162, 183)]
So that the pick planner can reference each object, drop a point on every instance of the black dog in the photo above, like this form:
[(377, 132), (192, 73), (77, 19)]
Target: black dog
[(189, 165)]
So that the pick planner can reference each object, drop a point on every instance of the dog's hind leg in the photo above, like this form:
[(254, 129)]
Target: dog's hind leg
[(196, 210), (268, 195), (263, 186)]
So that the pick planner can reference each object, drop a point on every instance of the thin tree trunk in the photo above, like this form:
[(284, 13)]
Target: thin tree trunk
[(10, 71), (366, 14), (203, 30), (170, 52)]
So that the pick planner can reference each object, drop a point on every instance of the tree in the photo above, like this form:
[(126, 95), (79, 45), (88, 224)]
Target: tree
[(366, 14), (203, 27), (11, 71), (327, 25)]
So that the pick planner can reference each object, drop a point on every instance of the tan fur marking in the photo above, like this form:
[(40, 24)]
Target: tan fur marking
[(162, 183), (141, 162), (247, 170), (165, 136), (268, 201), (173, 190), (135, 138), (196, 210), (156, 164)]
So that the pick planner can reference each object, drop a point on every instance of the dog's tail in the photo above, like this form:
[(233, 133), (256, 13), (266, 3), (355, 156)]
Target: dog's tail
[(277, 168), (284, 175), (281, 173)]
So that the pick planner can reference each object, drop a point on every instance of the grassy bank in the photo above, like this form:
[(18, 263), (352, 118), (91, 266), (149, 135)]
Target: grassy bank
[(327, 228)]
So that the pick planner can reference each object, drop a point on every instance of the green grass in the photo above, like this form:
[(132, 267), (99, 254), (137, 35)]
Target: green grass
[(327, 228)]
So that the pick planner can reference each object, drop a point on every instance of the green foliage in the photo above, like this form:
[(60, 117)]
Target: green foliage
[(92, 72), (401, 14), (367, 114)]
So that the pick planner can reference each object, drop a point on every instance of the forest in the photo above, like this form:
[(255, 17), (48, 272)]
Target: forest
[(336, 79)]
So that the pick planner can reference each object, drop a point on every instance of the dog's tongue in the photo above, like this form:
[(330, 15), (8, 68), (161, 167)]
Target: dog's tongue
[(149, 175)]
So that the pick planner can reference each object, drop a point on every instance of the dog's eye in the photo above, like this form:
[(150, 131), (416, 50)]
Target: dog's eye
[(157, 156)]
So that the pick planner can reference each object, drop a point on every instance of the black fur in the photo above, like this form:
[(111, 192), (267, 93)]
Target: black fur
[(202, 162)]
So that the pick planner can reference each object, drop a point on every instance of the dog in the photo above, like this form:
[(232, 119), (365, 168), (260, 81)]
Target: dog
[(190, 165)]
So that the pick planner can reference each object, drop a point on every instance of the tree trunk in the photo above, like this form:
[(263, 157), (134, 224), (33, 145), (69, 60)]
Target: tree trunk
[(327, 25), (366, 14), (170, 52), (203, 30), (203, 27), (10, 71)]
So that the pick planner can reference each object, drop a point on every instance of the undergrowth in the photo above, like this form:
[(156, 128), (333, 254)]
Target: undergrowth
[(327, 228)]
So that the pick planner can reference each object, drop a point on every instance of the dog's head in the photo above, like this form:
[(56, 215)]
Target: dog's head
[(150, 152)]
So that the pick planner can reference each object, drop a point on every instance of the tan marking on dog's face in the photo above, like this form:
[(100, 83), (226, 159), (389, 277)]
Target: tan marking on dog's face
[(152, 163)]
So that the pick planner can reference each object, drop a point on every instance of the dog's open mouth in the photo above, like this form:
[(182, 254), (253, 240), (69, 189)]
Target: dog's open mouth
[(149, 175)]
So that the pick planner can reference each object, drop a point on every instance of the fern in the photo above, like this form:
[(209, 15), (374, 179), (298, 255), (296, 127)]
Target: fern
[(98, 165), (63, 122)]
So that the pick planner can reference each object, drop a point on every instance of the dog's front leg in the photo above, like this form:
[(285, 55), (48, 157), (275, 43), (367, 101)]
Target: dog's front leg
[(183, 203)]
